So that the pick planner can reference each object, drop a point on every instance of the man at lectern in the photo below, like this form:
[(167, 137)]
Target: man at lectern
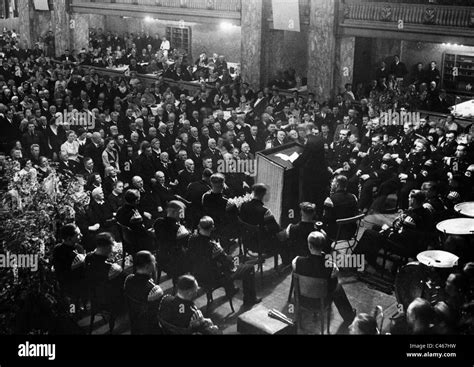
[(314, 173)]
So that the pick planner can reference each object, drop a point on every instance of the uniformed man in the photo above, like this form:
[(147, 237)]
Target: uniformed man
[(180, 310), (217, 206), (406, 142), (297, 234), (143, 294), (410, 176), (172, 238), (367, 175), (342, 150), (68, 261), (340, 204), (106, 277), (194, 193), (406, 232), (212, 266), (254, 212)]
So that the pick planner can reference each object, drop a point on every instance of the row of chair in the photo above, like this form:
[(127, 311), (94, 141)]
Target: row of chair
[(251, 236)]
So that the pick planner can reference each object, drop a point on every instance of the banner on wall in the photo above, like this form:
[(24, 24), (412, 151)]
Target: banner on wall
[(286, 15), (41, 5)]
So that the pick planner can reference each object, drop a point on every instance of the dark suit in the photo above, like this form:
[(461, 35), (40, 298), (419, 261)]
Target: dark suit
[(115, 202), (314, 174), (215, 155), (315, 266), (194, 193), (67, 168), (255, 213), (172, 250), (256, 144), (145, 168), (94, 152), (127, 216), (184, 179), (102, 214)]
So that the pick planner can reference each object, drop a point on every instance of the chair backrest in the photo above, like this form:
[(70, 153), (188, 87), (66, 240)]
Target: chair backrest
[(348, 228), (249, 233), (310, 287), (140, 316), (355, 219), (248, 227), (172, 329)]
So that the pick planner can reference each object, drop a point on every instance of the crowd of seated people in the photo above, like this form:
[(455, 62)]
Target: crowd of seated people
[(146, 54), (152, 161)]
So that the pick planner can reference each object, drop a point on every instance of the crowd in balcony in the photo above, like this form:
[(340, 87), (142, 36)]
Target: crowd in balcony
[(152, 162), (146, 54)]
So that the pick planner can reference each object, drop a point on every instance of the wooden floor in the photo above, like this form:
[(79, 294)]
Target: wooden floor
[(274, 290)]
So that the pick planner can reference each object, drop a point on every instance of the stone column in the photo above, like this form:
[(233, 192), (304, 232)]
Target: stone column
[(25, 25), (344, 66), (251, 47), (321, 48), (80, 33), (60, 19)]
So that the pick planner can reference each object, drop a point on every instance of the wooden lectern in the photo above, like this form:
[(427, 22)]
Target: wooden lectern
[(282, 178)]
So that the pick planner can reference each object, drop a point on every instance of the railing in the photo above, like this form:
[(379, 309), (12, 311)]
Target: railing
[(422, 14), (219, 5)]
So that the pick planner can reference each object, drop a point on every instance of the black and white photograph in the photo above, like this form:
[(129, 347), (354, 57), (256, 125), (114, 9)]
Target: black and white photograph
[(279, 171)]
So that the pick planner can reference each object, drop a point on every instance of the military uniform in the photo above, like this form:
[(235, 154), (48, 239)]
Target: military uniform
[(406, 144), (143, 298), (412, 166), (339, 205), (341, 153), (106, 278)]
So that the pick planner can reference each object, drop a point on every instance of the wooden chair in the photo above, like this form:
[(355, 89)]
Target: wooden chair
[(141, 317), (170, 329), (345, 234), (250, 233), (312, 289), (210, 299)]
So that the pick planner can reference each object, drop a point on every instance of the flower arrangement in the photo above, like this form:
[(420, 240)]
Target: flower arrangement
[(31, 213), (239, 200)]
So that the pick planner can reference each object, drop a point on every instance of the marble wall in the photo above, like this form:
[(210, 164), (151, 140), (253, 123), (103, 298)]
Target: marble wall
[(251, 44), (25, 26), (344, 66), (60, 19), (283, 50), (321, 48), (80, 33)]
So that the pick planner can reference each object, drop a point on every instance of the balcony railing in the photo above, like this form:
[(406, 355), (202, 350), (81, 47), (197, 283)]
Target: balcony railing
[(418, 14), (188, 10), (219, 5)]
